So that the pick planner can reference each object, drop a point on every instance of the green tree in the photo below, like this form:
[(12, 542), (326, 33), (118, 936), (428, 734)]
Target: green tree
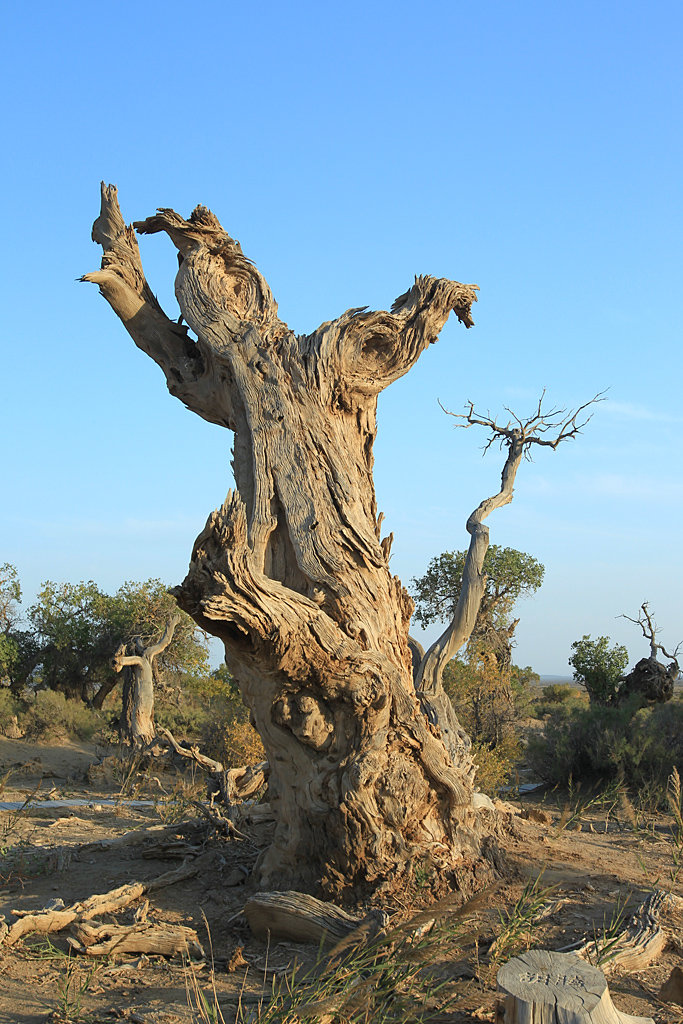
[(78, 628), (510, 574), (10, 598), (598, 667)]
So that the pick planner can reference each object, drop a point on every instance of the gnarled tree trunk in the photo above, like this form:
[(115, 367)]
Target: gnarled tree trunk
[(291, 572), (136, 724)]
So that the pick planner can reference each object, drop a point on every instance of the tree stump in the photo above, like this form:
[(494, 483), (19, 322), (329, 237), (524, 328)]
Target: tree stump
[(540, 987)]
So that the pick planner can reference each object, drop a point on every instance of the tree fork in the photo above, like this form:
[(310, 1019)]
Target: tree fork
[(291, 572)]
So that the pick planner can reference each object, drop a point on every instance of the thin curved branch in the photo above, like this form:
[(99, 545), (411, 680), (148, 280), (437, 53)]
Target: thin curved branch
[(517, 439), (154, 649)]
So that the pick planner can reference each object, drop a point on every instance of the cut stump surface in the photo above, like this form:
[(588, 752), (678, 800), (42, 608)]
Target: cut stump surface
[(540, 987)]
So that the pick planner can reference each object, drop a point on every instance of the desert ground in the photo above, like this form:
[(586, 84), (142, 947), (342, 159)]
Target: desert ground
[(576, 869)]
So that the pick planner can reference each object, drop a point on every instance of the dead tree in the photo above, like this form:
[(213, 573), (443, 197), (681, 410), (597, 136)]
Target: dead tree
[(517, 438), (292, 572), (137, 714), (651, 679)]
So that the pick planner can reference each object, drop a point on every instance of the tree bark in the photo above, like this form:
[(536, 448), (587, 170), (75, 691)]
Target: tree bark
[(291, 572)]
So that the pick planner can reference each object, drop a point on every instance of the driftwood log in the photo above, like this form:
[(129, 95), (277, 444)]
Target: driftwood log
[(114, 939), (540, 987), (297, 917), (639, 943)]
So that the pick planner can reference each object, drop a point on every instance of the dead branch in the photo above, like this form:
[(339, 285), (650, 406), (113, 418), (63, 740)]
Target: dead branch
[(234, 784), (207, 764), (144, 937), (54, 920), (650, 629), (641, 941)]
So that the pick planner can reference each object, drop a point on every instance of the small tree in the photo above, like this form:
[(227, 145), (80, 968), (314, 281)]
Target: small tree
[(76, 626), (598, 667), (510, 574), (10, 596)]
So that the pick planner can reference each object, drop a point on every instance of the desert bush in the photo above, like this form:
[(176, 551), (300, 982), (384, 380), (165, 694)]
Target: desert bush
[(557, 695), (233, 741), (52, 716), (599, 667), (490, 704), (602, 742), (496, 765)]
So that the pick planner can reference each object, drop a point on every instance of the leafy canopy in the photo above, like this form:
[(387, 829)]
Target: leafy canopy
[(598, 667), (78, 627), (510, 574)]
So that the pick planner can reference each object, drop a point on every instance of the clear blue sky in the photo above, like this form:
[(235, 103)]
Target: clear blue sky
[(532, 148)]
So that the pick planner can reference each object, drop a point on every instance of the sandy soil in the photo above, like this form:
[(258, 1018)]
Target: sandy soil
[(592, 865)]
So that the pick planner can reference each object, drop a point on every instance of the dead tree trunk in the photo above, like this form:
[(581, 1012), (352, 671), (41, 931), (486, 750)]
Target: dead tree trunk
[(292, 572), (136, 724)]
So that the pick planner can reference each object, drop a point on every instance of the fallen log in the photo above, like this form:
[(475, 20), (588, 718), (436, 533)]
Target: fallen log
[(46, 921), (145, 937), (297, 917), (540, 987), (641, 941)]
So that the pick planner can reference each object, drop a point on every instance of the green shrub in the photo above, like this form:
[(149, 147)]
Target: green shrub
[(52, 716), (496, 765), (597, 743), (558, 693)]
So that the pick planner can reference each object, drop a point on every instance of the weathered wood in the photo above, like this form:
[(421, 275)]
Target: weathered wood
[(115, 939), (44, 922), (292, 572), (297, 917), (137, 716), (640, 942), (233, 784), (540, 987)]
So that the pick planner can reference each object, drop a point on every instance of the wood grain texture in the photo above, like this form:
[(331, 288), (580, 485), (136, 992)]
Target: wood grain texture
[(292, 572), (540, 987)]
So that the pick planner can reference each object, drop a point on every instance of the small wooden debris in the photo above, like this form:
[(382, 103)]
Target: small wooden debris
[(540, 987), (297, 917), (160, 939), (237, 961), (55, 919)]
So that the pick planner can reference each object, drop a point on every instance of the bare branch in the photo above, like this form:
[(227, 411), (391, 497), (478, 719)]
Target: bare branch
[(650, 629), (528, 432)]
